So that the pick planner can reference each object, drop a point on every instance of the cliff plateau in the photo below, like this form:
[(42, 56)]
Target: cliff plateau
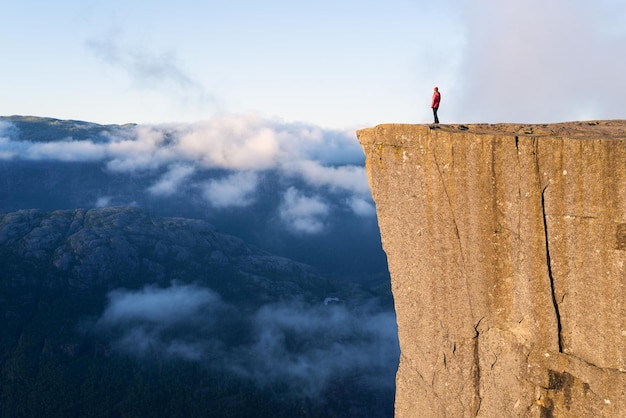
[(506, 246)]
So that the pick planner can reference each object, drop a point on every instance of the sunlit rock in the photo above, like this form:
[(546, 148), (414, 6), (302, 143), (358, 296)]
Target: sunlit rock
[(507, 251)]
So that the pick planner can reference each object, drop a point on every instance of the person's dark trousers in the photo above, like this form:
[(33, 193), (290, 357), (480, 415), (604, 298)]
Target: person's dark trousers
[(435, 114)]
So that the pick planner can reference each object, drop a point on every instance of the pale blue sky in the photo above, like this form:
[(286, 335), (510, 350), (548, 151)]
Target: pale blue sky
[(336, 64)]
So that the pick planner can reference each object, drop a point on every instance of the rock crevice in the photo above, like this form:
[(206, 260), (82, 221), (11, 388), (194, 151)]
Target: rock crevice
[(557, 313)]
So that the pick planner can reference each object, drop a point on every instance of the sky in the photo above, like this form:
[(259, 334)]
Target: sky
[(335, 64)]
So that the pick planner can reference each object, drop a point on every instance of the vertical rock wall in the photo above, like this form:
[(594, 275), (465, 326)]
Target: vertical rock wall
[(506, 246)]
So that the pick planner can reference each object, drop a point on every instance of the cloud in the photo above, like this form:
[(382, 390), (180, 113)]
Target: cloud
[(162, 320), (361, 207), (8, 149), (347, 177), (143, 147), (307, 346), (151, 70), (67, 151), (299, 346), (236, 142), (103, 201), (106, 201), (175, 156), (326, 146), (227, 141), (5, 126), (63, 150), (171, 181), (303, 214), (161, 306), (235, 190), (538, 61)]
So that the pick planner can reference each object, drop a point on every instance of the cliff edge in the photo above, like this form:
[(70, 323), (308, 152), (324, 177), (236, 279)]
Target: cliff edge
[(506, 246)]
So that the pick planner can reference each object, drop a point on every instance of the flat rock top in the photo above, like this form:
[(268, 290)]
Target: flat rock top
[(595, 129)]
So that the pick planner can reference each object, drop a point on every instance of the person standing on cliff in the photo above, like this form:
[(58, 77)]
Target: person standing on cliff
[(434, 104)]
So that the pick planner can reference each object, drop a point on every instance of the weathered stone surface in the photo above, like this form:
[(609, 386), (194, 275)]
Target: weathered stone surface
[(506, 246)]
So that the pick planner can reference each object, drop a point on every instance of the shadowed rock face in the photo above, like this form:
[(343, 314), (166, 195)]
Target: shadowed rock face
[(506, 246)]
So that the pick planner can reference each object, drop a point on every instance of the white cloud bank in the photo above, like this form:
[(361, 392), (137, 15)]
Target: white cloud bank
[(303, 213), (171, 181), (242, 146), (235, 190)]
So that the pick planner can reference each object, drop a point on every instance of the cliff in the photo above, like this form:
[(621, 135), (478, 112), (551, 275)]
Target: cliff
[(506, 246)]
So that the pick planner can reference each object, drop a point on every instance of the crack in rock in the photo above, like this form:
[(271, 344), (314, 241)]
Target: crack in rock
[(557, 313)]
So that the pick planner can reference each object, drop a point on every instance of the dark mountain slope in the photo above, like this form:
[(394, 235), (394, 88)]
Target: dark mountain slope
[(126, 247), (118, 312)]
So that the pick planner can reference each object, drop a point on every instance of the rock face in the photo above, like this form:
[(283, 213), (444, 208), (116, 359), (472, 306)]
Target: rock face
[(506, 246)]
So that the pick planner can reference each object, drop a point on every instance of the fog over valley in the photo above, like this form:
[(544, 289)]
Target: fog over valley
[(244, 246)]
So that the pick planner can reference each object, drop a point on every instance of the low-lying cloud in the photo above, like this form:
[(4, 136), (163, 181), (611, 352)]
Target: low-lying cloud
[(236, 142), (303, 213), (229, 142), (235, 190), (311, 345), (162, 320), (171, 181), (159, 306), (222, 162), (345, 178), (306, 346), (361, 207)]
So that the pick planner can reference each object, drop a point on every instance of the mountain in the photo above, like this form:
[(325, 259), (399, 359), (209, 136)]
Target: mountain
[(506, 248), (229, 268), (119, 312), (300, 202), (126, 247)]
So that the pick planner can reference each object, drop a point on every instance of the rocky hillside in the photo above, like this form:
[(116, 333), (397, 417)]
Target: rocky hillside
[(126, 247), (119, 312), (319, 213), (506, 246)]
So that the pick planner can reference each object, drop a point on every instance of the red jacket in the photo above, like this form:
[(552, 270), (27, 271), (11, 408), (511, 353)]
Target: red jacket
[(436, 100)]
